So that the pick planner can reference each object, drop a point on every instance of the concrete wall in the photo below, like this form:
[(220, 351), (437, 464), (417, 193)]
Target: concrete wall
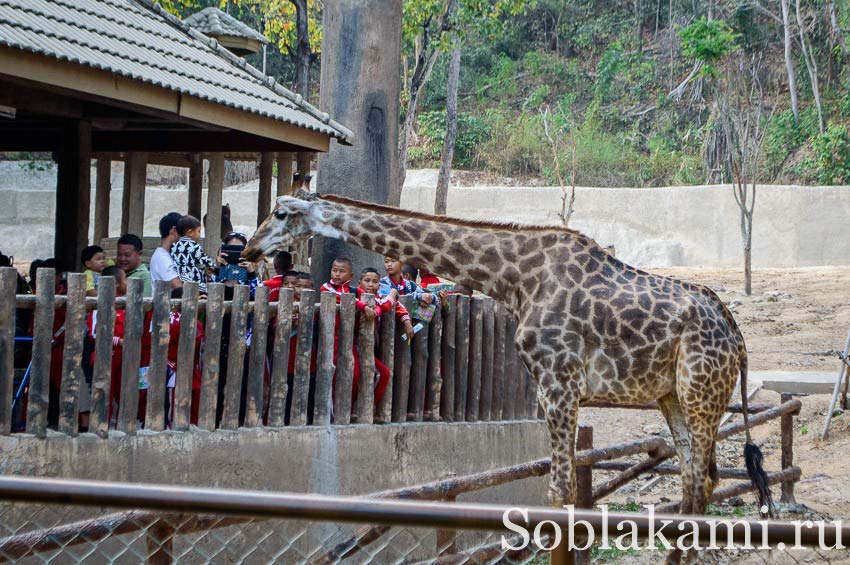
[(331, 460), (682, 226)]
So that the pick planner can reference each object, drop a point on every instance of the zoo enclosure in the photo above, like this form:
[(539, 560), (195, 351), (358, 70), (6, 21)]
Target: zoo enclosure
[(462, 366)]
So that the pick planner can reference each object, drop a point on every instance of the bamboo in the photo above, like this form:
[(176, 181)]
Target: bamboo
[(235, 359), (8, 284), (102, 375), (211, 374), (384, 411), (131, 352), (345, 360), (280, 359), (257, 358), (325, 362), (498, 363), (473, 394), (39, 395), (448, 350), (73, 381), (158, 373), (301, 382), (462, 357), (365, 402), (485, 410), (434, 381), (186, 357)]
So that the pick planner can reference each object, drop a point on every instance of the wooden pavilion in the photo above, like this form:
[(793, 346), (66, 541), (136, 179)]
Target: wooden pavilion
[(122, 80)]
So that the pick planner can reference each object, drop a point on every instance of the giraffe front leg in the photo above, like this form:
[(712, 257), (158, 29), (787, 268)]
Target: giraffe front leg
[(561, 410)]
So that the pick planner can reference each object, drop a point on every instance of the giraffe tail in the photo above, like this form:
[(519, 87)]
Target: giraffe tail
[(753, 457)]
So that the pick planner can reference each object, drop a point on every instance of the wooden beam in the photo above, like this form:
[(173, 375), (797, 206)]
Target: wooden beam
[(101, 199), (196, 185), (188, 141), (165, 159), (284, 173), (133, 202), (264, 195), (215, 188), (73, 195)]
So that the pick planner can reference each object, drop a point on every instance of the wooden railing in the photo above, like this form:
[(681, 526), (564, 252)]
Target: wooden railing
[(461, 367)]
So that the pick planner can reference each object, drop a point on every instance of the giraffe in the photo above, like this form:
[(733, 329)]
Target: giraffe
[(590, 327)]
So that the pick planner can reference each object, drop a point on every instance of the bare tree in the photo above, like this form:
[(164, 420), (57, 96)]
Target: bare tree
[(568, 196), (811, 65), (743, 120), (789, 59), (303, 58), (442, 195)]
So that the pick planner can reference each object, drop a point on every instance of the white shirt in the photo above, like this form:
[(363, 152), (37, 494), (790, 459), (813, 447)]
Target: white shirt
[(162, 266)]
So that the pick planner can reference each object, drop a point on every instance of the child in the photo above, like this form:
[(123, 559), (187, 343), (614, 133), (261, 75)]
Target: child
[(426, 278), (396, 280), (302, 282), (282, 268), (189, 257), (409, 272), (370, 283), (94, 260)]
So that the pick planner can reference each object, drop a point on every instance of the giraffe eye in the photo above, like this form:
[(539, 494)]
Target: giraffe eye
[(280, 214)]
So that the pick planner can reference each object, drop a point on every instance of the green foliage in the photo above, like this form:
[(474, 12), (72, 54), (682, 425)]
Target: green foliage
[(708, 42), (830, 160), (471, 131), (607, 69)]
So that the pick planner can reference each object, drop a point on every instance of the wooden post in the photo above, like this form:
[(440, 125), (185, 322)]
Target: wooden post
[(284, 174), (215, 191), (448, 350), (133, 202), (8, 285), (186, 357), (584, 482), (102, 376), (303, 352), (384, 412), (786, 424), (325, 361), (473, 394), (365, 401), (401, 371), (435, 379), (498, 363), (212, 348), (447, 539), (73, 195), (257, 359), (487, 336), (158, 372), (101, 200), (418, 376), (39, 394), (73, 379), (131, 353), (345, 360), (160, 543), (235, 358), (462, 357), (196, 185), (264, 194), (512, 374), (280, 359)]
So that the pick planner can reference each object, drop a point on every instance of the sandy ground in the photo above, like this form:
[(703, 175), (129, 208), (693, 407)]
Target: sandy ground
[(794, 320)]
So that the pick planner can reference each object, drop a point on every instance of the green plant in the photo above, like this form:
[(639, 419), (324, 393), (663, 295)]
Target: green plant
[(804, 429), (830, 160), (708, 42)]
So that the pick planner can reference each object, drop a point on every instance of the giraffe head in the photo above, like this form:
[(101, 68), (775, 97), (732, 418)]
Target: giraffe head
[(294, 218)]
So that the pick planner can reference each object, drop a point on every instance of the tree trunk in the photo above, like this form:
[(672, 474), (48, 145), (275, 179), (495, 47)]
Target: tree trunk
[(360, 86), (836, 29), (811, 67), (442, 195), (789, 60), (748, 250), (303, 59)]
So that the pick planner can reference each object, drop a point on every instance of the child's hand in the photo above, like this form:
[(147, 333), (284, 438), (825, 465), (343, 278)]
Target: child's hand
[(427, 298), (393, 295), (221, 259), (408, 330), (370, 313)]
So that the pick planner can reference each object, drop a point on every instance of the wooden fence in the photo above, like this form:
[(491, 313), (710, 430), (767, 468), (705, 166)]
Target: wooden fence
[(461, 367)]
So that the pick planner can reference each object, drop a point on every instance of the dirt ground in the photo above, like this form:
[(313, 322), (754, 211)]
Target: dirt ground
[(794, 320)]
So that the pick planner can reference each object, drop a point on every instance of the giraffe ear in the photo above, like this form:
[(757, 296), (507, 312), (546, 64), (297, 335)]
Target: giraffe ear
[(305, 195)]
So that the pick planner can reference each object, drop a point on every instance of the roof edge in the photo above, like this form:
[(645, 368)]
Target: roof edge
[(345, 135)]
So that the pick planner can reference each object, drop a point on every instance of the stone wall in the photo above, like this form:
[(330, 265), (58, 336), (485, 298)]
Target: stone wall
[(652, 227)]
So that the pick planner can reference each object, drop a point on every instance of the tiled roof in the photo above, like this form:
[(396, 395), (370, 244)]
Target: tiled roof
[(139, 40), (214, 22)]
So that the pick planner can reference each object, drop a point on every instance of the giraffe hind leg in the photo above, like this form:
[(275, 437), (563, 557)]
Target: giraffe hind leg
[(672, 412)]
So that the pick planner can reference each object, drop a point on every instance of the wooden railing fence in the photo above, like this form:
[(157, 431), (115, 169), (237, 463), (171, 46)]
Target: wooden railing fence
[(462, 366)]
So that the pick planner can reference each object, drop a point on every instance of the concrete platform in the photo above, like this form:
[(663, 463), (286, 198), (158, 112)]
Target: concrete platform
[(798, 382)]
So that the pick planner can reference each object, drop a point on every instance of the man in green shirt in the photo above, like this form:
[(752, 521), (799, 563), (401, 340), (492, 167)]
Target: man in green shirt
[(129, 260)]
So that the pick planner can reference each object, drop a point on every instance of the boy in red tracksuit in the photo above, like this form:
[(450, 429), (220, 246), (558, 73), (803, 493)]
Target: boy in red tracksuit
[(341, 274)]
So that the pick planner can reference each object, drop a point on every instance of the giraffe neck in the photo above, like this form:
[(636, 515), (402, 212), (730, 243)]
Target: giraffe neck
[(472, 255)]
